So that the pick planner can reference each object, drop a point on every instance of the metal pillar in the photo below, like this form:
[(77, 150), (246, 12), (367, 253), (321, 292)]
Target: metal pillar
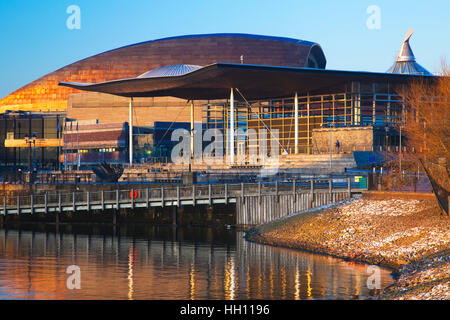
[(130, 144), (231, 131), (374, 112), (400, 142), (308, 128), (331, 147), (296, 122), (192, 132)]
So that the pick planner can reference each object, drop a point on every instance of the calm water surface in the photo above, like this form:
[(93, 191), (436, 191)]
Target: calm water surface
[(149, 262)]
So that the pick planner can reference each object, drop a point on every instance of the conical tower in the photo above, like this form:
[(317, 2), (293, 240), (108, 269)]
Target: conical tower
[(405, 62)]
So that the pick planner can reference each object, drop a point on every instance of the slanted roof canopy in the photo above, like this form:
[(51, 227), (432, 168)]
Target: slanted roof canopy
[(253, 81)]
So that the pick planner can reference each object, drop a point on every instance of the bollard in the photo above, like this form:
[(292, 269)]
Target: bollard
[(259, 192), (349, 187), (46, 202), (226, 193), (209, 194), (31, 204), (4, 208), (117, 199)]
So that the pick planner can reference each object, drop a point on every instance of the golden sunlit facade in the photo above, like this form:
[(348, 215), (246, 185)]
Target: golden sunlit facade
[(44, 94)]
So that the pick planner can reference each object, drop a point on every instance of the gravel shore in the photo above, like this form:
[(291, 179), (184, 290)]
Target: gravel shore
[(407, 235)]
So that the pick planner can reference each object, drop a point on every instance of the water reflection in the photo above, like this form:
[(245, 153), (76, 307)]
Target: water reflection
[(166, 263)]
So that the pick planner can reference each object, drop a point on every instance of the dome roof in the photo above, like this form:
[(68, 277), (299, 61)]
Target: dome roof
[(130, 61), (168, 71), (405, 63)]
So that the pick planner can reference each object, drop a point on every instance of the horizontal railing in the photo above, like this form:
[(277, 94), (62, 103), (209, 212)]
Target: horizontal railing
[(164, 195)]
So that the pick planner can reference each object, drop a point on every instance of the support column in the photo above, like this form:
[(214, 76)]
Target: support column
[(374, 111), (296, 122), (333, 110), (192, 134), (231, 130), (308, 128), (130, 128), (388, 116)]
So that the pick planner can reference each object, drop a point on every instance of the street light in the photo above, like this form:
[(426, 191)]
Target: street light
[(33, 138), (28, 141), (331, 145), (386, 143)]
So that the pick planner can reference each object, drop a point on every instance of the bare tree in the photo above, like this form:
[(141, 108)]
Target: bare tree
[(427, 130)]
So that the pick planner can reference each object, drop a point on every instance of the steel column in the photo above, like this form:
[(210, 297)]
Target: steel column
[(231, 131), (130, 134)]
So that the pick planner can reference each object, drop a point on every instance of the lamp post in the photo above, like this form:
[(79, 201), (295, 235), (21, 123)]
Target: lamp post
[(331, 146), (33, 138), (386, 143), (400, 156), (28, 141)]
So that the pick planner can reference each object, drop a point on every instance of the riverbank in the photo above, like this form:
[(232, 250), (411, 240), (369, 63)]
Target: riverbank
[(405, 234)]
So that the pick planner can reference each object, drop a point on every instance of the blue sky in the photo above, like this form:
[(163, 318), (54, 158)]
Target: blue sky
[(35, 39)]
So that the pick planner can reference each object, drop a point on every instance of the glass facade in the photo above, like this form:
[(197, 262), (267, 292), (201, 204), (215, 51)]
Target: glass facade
[(17, 126), (356, 104)]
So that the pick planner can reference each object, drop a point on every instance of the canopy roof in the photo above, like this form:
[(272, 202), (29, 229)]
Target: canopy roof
[(253, 81)]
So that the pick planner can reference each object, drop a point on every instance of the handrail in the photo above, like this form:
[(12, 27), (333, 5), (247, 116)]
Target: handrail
[(172, 193)]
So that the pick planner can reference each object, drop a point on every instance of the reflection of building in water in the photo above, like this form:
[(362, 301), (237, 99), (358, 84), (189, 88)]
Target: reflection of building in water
[(131, 257), (119, 267), (230, 280), (294, 274)]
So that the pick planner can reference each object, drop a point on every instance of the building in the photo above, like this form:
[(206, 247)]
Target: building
[(276, 83), (30, 139), (88, 143)]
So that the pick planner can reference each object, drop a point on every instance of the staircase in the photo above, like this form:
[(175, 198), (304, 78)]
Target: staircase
[(317, 162)]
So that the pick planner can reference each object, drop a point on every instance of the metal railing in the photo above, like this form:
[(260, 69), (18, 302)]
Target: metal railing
[(165, 195)]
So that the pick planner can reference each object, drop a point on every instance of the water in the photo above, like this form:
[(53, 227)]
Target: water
[(148, 262)]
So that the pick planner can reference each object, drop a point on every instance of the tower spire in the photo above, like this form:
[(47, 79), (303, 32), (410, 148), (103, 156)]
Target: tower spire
[(405, 62)]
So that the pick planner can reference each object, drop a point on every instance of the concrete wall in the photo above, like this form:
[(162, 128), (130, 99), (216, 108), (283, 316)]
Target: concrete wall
[(351, 139)]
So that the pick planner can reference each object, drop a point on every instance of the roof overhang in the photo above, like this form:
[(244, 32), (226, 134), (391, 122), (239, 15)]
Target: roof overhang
[(253, 81)]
